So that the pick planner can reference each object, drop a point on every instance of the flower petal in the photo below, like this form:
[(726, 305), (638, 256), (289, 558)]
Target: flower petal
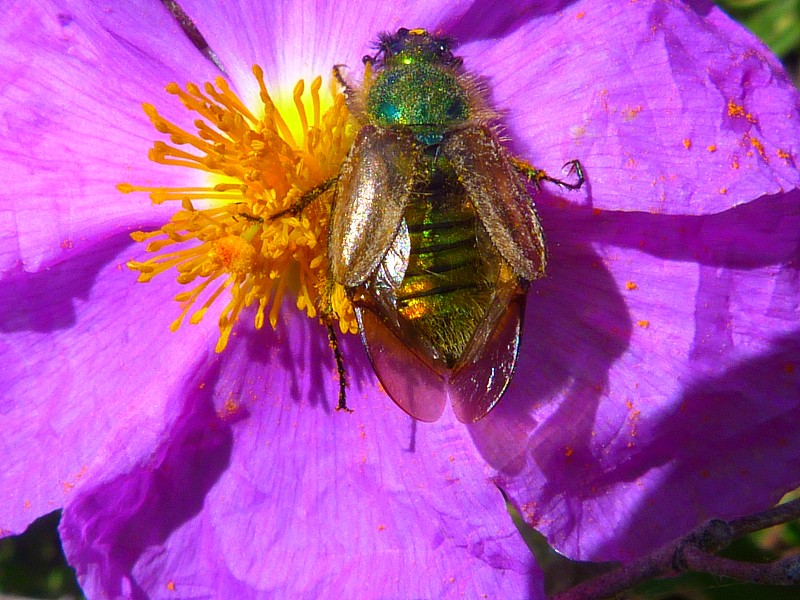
[(262, 488), (305, 39), (664, 358), (90, 371), (74, 78), (660, 124)]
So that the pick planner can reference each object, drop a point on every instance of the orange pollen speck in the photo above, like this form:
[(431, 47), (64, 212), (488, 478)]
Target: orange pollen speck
[(241, 166), (756, 143), (735, 110)]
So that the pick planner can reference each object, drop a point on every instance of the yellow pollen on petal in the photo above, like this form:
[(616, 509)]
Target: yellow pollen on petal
[(224, 242)]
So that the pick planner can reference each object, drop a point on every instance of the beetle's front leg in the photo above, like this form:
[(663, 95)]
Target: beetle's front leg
[(306, 199), (536, 175)]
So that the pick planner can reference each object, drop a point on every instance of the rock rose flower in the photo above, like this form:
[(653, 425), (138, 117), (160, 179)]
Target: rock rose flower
[(659, 377)]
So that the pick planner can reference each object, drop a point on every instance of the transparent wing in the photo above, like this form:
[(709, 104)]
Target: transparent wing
[(479, 379), (411, 383)]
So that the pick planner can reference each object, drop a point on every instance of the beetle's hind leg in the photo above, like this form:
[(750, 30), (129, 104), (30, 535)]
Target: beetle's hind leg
[(536, 175), (306, 199), (328, 318), (337, 355)]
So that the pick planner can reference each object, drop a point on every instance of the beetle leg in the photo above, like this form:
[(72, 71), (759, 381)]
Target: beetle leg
[(337, 355), (327, 317), (247, 217), (306, 199), (535, 175)]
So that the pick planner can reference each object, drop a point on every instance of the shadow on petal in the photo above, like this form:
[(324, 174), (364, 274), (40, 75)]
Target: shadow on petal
[(760, 233), (107, 530), (487, 20), (738, 427), (299, 347), (576, 326), (720, 402), (578, 323), (44, 301)]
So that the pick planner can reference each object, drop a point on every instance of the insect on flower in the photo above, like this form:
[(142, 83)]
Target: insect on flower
[(433, 231)]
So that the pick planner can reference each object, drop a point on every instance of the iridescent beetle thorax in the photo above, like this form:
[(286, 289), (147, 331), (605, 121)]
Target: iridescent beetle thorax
[(418, 87)]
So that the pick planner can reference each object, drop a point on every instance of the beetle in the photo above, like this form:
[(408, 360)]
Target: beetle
[(433, 231)]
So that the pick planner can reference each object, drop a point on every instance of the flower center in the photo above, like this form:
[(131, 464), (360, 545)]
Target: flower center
[(223, 243)]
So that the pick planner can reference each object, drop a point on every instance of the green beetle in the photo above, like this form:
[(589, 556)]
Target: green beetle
[(433, 230)]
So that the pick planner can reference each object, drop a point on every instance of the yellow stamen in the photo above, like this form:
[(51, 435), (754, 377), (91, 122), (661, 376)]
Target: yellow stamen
[(223, 241)]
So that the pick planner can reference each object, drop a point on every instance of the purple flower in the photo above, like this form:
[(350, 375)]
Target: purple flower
[(659, 377)]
